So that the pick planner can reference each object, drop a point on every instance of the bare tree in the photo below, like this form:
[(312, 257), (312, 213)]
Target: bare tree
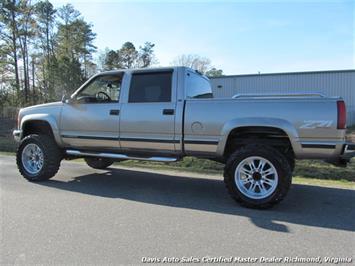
[(201, 64)]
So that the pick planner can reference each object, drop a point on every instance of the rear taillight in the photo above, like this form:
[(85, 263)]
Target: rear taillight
[(341, 114)]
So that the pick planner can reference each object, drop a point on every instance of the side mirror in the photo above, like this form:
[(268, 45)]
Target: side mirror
[(67, 99)]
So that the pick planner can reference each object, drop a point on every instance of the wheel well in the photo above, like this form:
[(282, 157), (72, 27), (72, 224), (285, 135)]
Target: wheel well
[(271, 136), (37, 127)]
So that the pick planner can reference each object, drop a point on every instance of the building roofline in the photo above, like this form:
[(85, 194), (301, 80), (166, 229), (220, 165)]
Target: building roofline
[(287, 73)]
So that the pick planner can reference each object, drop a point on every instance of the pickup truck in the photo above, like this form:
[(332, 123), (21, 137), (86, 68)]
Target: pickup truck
[(164, 114)]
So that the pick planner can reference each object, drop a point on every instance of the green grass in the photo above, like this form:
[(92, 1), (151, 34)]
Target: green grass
[(325, 171), (190, 164)]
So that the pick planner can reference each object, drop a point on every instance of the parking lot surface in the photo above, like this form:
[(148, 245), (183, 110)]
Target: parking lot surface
[(129, 216)]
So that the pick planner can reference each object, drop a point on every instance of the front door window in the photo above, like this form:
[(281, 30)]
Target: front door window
[(103, 89)]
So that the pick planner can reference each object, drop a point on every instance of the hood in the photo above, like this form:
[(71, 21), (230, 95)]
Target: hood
[(44, 105), (46, 108)]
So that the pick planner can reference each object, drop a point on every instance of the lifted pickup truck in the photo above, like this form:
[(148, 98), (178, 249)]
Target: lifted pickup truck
[(165, 114)]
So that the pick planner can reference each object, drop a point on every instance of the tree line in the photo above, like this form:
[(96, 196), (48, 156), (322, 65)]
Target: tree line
[(46, 52)]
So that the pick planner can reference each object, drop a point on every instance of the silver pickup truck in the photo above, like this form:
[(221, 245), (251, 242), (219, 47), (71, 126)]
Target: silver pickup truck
[(165, 114)]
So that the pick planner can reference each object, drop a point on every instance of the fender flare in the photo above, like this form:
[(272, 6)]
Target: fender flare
[(276, 123), (46, 118)]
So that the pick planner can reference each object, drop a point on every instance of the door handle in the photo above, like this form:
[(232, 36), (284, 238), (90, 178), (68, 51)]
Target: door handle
[(114, 112), (168, 111)]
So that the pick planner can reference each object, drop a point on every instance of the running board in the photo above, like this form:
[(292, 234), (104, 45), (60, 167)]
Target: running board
[(119, 156)]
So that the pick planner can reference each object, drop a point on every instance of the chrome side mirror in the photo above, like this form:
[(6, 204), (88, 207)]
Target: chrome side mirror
[(67, 99)]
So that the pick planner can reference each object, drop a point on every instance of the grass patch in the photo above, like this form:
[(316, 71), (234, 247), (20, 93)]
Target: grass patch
[(325, 171), (190, 164)]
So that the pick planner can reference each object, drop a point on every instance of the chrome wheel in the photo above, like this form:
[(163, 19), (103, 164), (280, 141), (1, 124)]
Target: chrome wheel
[(32, 158), (256, 177)]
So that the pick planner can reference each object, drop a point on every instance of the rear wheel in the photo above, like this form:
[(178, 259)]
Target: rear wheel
[(258, 176), (38, 157), (99, 163), (291, 160)]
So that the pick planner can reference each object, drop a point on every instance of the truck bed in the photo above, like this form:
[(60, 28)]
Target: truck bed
[(310, 122)]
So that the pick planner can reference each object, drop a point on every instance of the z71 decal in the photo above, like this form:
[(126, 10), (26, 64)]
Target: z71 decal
[(316, 123)]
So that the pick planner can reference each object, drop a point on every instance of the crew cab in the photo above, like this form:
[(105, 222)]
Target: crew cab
[(164, 114)]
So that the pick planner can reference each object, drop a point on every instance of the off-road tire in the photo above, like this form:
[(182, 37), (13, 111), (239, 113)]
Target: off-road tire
[(292, 163), (279, 161), (51, 154), (98, 163)]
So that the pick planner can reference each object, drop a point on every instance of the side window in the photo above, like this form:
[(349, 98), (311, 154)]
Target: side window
[(197, 86), (150, 87), (102, 89)]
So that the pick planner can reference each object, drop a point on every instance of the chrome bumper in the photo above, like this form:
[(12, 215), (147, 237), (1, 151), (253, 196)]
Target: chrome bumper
[(17, 135)]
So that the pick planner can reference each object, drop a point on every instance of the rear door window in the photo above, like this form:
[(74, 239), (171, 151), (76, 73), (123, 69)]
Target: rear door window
[(150, 87), (197, 86)]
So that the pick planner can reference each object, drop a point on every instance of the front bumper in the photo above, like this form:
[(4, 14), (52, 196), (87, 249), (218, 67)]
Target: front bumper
[(349, 151), (17, 135)]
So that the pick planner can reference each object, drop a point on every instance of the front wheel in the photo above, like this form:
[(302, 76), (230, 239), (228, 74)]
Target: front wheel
[(258, 176), (99, 163), (38, 157)]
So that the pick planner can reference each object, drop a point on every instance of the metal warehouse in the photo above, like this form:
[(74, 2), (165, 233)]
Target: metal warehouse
[(330, 83)]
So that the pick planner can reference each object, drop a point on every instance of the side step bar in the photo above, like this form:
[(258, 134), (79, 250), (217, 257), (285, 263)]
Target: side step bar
[(119, 156)]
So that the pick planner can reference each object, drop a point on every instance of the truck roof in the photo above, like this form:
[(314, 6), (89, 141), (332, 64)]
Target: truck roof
[(150, 69)]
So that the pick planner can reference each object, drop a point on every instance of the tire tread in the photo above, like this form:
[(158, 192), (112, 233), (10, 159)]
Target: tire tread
[(98, 163), (52, 157), (283, 187)]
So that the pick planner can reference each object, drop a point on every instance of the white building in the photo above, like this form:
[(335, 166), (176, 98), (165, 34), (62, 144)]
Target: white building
[(330, 83)]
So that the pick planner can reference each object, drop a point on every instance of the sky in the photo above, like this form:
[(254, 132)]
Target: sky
[(239, 37)]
